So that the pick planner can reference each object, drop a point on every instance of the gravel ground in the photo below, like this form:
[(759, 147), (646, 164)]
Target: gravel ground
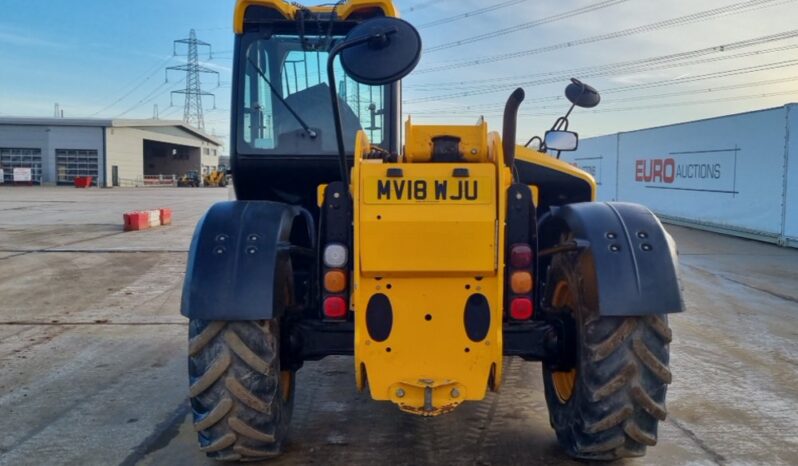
[(93, 370)]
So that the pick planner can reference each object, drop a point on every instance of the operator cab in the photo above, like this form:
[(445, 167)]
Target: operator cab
[(283, 137)]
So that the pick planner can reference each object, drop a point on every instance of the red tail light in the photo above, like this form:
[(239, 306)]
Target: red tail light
[(335, 307), (521, 256), (521, 308)]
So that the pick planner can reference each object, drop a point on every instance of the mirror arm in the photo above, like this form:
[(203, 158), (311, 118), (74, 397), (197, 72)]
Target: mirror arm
[(561, 124), (541, 146), (339, 131), (532, 139), (568, 113)]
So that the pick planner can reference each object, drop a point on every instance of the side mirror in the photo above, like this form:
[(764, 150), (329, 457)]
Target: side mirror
[(561, 140), (375, 52), (384, 51), (582, 95)]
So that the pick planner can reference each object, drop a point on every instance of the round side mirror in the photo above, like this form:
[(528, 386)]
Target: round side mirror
[(582, 95), (390, 54)]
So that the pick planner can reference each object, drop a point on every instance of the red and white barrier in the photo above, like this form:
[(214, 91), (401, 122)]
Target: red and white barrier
[(143, 219)]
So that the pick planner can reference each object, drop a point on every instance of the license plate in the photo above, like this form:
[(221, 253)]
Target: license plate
[(472, 190)]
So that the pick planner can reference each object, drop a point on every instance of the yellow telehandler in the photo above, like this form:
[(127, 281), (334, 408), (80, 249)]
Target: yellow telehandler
[(427, 259), (216, 178)]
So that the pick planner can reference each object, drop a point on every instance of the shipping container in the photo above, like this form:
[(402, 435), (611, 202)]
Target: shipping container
[(736, 174)]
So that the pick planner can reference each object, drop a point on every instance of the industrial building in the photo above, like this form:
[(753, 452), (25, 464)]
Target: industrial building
[(113, 152), (735, 174)]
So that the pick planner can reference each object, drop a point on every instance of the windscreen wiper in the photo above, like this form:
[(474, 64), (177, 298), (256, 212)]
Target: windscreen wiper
[(299, 119)]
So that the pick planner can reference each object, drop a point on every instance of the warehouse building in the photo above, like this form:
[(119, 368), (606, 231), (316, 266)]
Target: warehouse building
[(735, 174), (54, 151)]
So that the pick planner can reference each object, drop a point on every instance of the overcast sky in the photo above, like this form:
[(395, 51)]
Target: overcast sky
[(105, 58)]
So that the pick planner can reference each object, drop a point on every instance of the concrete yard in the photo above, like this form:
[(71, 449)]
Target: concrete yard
[(93, 355)]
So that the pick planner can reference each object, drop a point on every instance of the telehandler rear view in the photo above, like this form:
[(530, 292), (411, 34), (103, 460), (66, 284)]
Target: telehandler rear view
[(428, 260)]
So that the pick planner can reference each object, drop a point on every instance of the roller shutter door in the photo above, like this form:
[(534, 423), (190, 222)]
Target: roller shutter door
[(71, 163), (11, 158)]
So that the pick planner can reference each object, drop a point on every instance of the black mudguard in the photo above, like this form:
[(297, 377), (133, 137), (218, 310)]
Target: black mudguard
[(634, 257), (240, 253)]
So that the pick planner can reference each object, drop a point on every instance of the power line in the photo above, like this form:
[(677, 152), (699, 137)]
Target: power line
[(170, 111), (687, 79), (610, 73), (632, 66), (633, 108), (697, 102), (674, 65), (528, 25), (704, 77), (721, 48), (735, 8), (422, 5), (609, 70), (154, 94), (709, 90), (143, 81), (142, 101), (496, 109), (469, 14), (668, 82)]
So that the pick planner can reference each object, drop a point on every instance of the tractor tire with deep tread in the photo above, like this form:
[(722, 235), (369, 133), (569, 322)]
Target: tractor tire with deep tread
[(611, 406), (240, 400)]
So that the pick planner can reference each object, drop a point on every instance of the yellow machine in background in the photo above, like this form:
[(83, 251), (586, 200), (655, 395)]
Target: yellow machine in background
[(215, 178), (429, 256)]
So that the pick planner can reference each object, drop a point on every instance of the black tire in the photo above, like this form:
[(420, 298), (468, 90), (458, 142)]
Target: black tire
[(618, 393), (240, 400)]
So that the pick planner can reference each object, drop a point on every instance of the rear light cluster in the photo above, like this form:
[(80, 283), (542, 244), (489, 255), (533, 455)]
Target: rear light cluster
[(521, 283), (335, 303), (335, 240)]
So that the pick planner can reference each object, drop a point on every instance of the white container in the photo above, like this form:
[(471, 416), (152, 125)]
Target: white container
[(737, 174)]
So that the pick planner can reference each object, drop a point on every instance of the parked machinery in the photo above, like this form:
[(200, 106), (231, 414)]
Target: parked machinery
[(215, 178), (427, 260), (191, 179)]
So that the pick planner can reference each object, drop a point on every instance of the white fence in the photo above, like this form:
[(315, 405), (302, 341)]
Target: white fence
[(737, 174), (149, 181)]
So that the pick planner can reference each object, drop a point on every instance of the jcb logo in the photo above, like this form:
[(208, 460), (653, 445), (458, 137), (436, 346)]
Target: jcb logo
[(655, 170)]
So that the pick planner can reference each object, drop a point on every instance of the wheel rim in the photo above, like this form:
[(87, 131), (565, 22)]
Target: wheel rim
[(285, 384), (563, 381)]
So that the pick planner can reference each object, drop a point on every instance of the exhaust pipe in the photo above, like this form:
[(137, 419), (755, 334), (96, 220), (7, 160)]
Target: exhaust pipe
[(510, 123)]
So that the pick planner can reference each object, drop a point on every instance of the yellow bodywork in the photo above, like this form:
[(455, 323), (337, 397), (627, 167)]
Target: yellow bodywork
[(427, 239), (545, 160), (428, 254), (215, 178), (473, 141), (288, 10)]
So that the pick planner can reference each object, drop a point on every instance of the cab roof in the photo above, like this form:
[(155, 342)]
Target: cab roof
[(346, 10)]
